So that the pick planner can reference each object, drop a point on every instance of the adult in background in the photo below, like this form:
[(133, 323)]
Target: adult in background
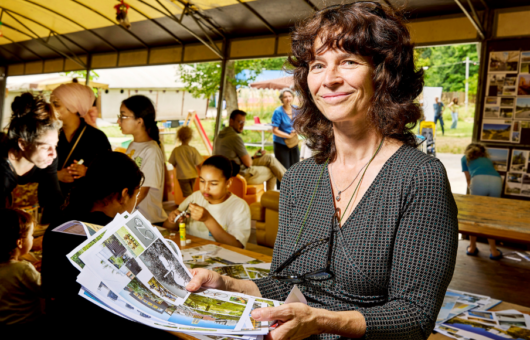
[(28, 162), (368, 226), (454, 107), (138, 118), (438, 113), (482, 180), (77, 139), (216, 214), (256, 169), (285, 138)]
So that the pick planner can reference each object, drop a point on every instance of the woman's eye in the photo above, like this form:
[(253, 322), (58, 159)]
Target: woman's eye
[(349, 63), (317, 67)]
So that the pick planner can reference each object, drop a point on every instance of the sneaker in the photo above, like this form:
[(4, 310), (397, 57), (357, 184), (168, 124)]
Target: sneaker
[(468, 253), (496, 258)]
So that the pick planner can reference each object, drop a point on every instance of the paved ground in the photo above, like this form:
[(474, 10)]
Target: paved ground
[(454, 171)]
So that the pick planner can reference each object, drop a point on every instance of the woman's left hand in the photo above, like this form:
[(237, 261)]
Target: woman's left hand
[(198, 213), (295, 320), (77, 170)]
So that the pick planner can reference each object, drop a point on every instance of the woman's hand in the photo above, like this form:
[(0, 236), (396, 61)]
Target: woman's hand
[(199, 213), (77, 170), (295, 320), (65, 176), (206, 279)]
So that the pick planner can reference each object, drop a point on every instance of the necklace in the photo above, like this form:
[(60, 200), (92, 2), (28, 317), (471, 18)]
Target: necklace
[(336, 186)]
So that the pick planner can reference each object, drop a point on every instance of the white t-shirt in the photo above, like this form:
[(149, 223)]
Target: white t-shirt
[(150, 159), (185, 158), (233, 215), (20, 293)]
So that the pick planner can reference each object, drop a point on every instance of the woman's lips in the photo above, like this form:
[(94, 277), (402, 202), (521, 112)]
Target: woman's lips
[(335, 97)]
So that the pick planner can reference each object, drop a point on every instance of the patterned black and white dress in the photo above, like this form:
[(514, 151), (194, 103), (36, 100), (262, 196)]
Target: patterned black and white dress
[(394, 256)]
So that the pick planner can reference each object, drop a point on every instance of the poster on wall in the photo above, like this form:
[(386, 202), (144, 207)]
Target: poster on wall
[(518, 177), (505, 61), (525, 62), (496, 130), (499, 157)]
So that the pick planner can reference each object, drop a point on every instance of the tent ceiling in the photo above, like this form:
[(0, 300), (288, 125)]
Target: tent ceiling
[(45, 29)]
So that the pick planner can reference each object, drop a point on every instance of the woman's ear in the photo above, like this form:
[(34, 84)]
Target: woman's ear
[(124, 196), (141, 122), (22, 144)]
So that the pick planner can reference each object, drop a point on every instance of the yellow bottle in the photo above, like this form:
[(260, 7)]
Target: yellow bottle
[(182, 231)]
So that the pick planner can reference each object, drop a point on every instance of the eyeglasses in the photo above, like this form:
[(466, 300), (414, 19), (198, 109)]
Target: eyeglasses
[(322, 274), (122, 117)]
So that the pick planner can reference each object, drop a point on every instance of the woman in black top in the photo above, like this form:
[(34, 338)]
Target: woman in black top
[(368, 227), (28, 162), (111, 186), (77, 139)]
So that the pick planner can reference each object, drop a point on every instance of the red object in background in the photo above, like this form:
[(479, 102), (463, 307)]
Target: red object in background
[(256, 120), (121, 14)]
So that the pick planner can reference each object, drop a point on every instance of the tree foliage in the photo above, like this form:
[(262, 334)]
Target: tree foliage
[(446, 68), (81, 74), (203, 80)]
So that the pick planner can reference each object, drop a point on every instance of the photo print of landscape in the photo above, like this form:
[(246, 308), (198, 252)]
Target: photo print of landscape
[(518, 176), (129, 268)]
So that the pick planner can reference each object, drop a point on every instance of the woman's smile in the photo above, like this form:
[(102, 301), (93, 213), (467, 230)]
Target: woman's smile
[(336, 97)]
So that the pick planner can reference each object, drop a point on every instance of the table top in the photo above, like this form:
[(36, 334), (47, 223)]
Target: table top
[(258, 127), (495, 217)]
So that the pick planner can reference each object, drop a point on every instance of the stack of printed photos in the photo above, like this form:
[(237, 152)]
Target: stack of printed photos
[(225, 262), (466, 316), (129, 269)]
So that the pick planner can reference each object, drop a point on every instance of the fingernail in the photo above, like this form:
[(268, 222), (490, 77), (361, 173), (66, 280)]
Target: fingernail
[(256, 314)]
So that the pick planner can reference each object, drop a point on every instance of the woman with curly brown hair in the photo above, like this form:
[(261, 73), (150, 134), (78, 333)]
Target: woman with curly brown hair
[(368, 226), (28, 162)]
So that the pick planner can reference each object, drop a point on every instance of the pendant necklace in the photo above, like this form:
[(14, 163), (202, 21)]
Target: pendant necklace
[(341, 191)]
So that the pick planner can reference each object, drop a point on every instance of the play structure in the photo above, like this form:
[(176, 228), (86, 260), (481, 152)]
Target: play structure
[(192, 116)]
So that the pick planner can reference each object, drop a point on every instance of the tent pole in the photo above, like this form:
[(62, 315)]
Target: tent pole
[(88, 66), (221, 91), (3, 82)]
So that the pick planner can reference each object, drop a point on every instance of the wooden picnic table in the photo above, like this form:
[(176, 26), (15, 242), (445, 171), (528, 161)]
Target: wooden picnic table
[(498, 218)]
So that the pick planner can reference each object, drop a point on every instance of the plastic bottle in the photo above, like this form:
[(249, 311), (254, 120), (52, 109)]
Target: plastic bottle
[(182, 231)]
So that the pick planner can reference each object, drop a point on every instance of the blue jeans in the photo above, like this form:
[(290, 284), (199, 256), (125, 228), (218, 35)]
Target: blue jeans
[(454, 116), (441, 119), (486, 185)]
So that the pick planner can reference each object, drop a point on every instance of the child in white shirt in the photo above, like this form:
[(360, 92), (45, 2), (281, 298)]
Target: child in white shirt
[(185, 159), (20, 283)]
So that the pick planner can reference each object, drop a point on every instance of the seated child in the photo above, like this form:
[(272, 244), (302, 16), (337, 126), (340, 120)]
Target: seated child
[(216, 214), (20, 283), (185, 158)]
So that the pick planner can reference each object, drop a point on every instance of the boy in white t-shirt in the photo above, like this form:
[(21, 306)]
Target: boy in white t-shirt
[(185, 159), (214, 212)]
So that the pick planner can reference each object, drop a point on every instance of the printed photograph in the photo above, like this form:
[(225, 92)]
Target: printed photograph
[(161, 290), (268, 302), (510, 80), (522, 108), (141, 229), (483, 315), (512, 188), (507, 101), (496, 85), (525, 67), (239, 299), (142, 295), (525, 190), (487, 331), (511, 319), (131, 269), (166, 268), (496, 131), (515, 178), (499, 157), (509, 91), (525, 57), (506, 112), (130, 242), (75, 258), (504, 61), (257, 273), (115, 252), (255, 262), (519, 160), (489, 322), (201, 311), (523, 88), (237, 272), (491, 112)]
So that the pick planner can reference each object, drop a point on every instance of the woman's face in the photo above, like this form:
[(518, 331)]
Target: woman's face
[(341, 84), (287, 98), (43, 152), (128, 124), (59, 107), (213, 185)]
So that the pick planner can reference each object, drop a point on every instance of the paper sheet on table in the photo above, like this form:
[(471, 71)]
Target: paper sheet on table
[(296, 296)]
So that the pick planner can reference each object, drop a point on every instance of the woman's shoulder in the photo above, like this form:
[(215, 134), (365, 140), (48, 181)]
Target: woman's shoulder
[(410, 161)]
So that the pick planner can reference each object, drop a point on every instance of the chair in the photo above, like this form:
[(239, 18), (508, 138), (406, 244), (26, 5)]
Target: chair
[(266, 215), (178, 197)]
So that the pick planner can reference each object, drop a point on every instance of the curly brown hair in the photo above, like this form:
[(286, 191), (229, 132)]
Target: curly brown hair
[(32, 117), (369, 30), (474, 151), (15, 225)]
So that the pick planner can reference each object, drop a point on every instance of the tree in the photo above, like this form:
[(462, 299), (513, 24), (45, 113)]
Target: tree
[(203, 80), (445, 67), (81, 74)]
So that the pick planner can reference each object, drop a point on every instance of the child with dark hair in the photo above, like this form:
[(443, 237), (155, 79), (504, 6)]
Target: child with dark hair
[(216, 214), (185, 158), (20, 283), (28, 159), (138, 118)]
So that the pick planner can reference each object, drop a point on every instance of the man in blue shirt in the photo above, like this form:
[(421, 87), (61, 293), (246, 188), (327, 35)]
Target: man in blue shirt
[(438, 109)]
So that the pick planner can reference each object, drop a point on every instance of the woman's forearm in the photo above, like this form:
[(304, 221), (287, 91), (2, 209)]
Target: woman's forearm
[(350, 324), (241, 286), (276, 131)]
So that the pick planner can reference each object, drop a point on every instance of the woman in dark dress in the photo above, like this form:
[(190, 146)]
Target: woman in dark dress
[(28, 162), (368, 227), (78, 140)]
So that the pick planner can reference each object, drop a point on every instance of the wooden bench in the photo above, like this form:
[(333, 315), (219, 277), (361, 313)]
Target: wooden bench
[(498, 218)]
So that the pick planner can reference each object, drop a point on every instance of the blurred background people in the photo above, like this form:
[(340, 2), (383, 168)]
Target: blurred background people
[(438, 113), (454, 107), (185, 158), (285, 139)]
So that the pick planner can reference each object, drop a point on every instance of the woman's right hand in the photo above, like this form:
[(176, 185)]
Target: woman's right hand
[(64, 176), (206, 279)]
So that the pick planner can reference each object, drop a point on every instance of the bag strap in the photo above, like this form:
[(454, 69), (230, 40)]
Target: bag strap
[(73, 148)]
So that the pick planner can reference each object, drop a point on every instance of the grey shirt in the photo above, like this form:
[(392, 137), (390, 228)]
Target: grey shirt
[(393, 258), (230, 144)]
